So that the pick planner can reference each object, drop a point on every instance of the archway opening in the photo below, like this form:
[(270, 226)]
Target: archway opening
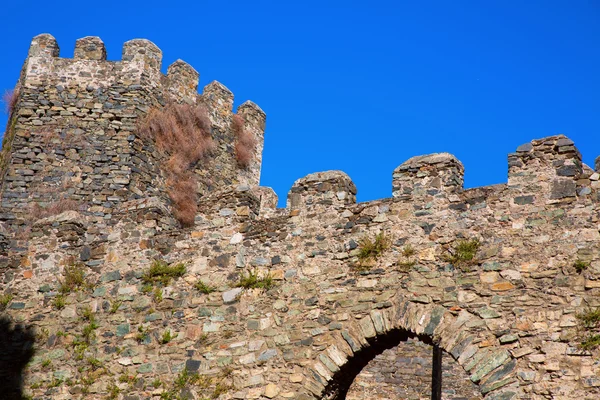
[(401, 365), (342, 380)]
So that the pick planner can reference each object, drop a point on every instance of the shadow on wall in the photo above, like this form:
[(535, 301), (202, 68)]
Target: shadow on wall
[(342, 380), (16, 350)]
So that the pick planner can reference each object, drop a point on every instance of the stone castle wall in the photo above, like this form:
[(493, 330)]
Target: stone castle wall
[(507, 320), (73, 134)]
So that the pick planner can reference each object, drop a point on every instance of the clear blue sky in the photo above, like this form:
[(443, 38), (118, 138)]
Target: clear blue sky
[(363, 86)]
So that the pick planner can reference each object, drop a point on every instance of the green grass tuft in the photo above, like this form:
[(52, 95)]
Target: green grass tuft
[(88, 333), (161, 272), (408, 251), (142, 334), (369, 249), (59, 302), (580, 266), (406, 263), (590, 319), (113, 391), (74, 279), (157, 295), (114, 307), (166, 337), (252, 281), (4, 300), (204, 288), (591, 342), (589, 326), (87, 314), (462, 255)]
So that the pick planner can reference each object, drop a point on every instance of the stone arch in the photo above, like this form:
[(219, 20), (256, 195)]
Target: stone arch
[(338, 386), (458, 332)]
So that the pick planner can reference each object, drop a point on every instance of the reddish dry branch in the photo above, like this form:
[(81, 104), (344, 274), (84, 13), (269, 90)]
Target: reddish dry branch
[(245, 143), (182, 191), (23, 232), (9, 98), (58, 207), (183, 132)]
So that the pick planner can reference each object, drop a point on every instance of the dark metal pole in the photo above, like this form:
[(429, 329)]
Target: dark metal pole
[(436, 374)]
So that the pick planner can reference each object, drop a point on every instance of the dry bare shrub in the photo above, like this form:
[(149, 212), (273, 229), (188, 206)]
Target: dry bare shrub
[(9, 98), (53, 139), (182, 191), (179, 129), (182, 132), (60, 206), (245, 143), (23, 232)]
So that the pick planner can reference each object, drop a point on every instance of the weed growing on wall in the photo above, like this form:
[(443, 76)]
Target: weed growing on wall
[(142, 335), (245, 143), (210, 387), (462, 254), (182, 132), (253, 281), (58, 207), (4, 300), (59, 302), (406, 262), (73, 279), (203, 287), (161, 272), (166, 337), (580, 266), (9, 98), (589, 326), (371, 249)]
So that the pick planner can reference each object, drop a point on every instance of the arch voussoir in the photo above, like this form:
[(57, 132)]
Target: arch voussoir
[(460, 333), (381, 321)]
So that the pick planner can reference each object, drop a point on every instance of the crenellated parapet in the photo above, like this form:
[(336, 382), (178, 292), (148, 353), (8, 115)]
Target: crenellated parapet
[(544, 171), (43, 46), (73, 137), (218, 99), (254, 124), (433, 175), (268, 199), (140, 64), (547, 169), (329, 188), (182, 81), (73, 140), (90, 48), (230, 204)]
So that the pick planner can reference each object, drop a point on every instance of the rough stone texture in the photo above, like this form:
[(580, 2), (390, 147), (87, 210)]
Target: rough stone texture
[(91, 48), (508, 319), (548, 168), (322, 188), (404, 372), (435, 175), (73, 133)]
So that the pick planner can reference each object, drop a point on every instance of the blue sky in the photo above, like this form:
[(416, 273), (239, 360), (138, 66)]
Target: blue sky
[(363, 86)]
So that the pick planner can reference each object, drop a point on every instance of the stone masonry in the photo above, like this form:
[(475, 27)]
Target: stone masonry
[(507, 322), (72, 135)]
